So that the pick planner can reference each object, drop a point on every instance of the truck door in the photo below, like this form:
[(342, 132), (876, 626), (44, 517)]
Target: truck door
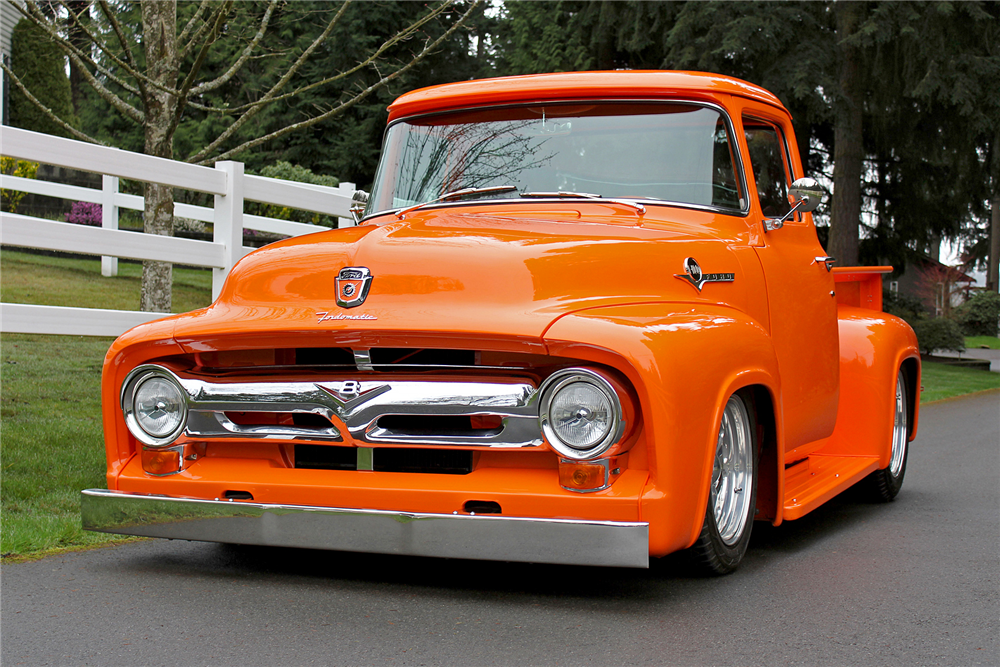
[(800, 293)]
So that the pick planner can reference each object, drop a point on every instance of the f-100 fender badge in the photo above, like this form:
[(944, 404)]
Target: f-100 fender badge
[(353, 283), (693, 274)]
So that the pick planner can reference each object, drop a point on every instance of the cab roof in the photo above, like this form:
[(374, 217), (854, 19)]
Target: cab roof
[(656, 84)]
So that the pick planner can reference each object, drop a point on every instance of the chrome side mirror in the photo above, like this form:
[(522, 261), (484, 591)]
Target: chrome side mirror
[(359, 201), (806, 193)]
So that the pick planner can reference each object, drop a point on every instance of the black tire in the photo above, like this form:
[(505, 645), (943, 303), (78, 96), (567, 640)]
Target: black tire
[(718, 551), (883, 485)]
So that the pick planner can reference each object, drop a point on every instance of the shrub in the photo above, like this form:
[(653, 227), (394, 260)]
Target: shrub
[(85, 213), (14, 167), (939, 334), (287, 171), (906, 307), (980, 314)]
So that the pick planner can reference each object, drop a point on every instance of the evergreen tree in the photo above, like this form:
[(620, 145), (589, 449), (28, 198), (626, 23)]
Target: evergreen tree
[(41, 65)]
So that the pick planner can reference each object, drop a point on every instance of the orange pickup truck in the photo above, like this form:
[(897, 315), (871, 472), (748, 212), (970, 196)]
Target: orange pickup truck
[(584, 319)]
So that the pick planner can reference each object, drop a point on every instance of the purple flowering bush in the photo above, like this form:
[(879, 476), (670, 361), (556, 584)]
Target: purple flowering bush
[(85, 213)]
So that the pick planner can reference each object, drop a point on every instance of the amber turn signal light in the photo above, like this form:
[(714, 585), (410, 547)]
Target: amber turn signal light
[(161, 461), (583, 476)]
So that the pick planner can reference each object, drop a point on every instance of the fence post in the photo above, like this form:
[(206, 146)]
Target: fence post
[(348, 189), (109, 220), (228, 227)]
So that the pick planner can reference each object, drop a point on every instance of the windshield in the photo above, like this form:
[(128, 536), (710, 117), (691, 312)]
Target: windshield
[(677, 153)]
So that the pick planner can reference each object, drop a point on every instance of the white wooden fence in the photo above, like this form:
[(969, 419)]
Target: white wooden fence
[(227, 182)]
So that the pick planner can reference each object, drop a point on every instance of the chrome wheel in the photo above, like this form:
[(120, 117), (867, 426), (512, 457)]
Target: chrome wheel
[(899, 429), (732, 472), (884, 484)]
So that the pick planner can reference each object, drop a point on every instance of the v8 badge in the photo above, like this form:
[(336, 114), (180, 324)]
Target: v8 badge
[(697, 278), (353, 283)]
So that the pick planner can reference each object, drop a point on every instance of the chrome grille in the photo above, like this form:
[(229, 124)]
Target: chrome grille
[(353, 409)]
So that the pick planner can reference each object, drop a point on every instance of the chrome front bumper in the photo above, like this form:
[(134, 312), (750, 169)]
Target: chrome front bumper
[(560, 541)]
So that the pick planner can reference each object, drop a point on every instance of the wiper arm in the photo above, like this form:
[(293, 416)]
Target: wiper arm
[(562, 194), (458, 194)]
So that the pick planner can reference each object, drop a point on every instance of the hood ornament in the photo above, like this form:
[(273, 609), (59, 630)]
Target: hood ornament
[(693, 274), (353, 283)]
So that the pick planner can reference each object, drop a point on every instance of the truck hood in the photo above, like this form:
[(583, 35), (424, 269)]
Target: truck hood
[(464, 275)]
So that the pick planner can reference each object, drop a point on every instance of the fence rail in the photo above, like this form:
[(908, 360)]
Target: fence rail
[(227, 182)]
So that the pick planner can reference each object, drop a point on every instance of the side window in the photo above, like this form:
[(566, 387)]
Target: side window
[(768, 162)]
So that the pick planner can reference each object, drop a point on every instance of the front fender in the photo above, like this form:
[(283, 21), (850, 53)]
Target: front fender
[(684, 362)]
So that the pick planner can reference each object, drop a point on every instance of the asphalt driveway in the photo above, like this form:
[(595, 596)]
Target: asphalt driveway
[(911, 582)]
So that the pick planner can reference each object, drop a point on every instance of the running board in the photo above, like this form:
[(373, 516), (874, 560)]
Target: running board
[(812, 482)]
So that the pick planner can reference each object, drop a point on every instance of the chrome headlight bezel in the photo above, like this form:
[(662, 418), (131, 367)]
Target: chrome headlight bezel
[(561, 380), (135, 379)]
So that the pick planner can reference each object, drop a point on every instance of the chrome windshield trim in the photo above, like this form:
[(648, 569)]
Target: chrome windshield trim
[(483, 537), (533, 200), (742, 212), (354, 407)]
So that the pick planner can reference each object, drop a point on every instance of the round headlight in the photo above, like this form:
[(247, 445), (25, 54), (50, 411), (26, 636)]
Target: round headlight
[(580, 415), (155, 407)]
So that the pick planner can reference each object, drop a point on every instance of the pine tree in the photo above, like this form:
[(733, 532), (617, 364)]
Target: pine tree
[(41, 64)]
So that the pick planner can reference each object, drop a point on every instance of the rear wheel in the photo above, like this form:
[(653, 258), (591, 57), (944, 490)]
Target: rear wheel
[(733, 493), (885, 484)]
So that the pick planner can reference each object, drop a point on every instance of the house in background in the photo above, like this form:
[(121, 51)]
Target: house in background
[(939, 287)]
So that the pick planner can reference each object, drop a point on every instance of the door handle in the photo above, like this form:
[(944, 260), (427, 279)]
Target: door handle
[(828, 261)]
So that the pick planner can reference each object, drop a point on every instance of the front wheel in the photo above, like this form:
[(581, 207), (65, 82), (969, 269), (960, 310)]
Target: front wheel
[(885, 484), (733, 493)]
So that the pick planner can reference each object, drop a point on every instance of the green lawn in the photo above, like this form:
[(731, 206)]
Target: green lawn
[(972, 342), (942, 381), (61, 281), (51, 441)]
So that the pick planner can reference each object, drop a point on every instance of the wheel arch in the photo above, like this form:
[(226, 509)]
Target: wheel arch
[(911, 376), (685, 361), (770, 480)]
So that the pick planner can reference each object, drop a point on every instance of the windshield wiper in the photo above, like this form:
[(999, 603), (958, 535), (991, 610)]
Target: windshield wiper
[(562, 194), (458, 194)]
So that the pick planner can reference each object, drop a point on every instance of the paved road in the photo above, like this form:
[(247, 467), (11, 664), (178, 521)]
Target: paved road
[(914, 582)]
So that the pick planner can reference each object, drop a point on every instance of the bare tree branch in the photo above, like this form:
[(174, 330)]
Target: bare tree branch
[(196, 38), (131, 67), (121, 105), (182, 38), (344, 106), (78, 57), (303, 57), (48, 112), (220, 16), (247, 53), (401, 36), (126, 47)]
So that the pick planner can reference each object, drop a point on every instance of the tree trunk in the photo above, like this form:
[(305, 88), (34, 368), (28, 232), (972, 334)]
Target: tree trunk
[(159, 26), (993, 275), (848, 145)]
